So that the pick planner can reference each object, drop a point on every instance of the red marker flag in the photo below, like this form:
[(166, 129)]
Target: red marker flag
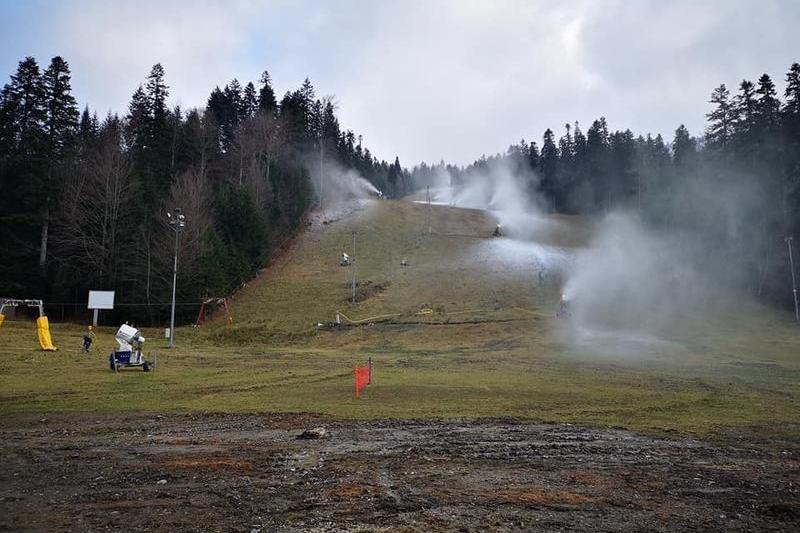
[(362, 378)]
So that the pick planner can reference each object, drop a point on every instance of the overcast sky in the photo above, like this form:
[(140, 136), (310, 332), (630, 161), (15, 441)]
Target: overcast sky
[(428, 79)]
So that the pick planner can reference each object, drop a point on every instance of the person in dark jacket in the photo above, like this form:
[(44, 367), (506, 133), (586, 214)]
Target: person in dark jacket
[(88, 337)]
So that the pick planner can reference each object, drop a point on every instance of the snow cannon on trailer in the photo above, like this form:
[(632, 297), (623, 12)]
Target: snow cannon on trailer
[(130, 342), (563, 307)]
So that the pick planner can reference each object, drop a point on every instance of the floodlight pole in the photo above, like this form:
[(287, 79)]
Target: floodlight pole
[(174, 283), (177, 221), (794, 280)]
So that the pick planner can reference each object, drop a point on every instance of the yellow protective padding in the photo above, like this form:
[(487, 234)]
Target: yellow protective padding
[(43, 329), (2, 318)]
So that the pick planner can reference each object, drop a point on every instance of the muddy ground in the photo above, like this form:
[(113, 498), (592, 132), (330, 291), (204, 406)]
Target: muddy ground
[(148, 472)]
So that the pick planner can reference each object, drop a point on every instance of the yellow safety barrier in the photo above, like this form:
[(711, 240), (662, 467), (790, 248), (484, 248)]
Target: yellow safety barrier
[(369, 319), (2, 318), (43, 330)]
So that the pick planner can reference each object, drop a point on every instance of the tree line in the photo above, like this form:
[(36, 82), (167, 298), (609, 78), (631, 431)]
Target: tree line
[(733, 192), (83, 200)]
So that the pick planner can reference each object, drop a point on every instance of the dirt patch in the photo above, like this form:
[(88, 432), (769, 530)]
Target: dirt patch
[(208, 463), (347, 491), (248, 472), (540, 496), (367, 289)]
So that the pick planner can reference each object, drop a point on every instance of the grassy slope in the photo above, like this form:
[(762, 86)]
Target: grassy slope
[(488, 347)]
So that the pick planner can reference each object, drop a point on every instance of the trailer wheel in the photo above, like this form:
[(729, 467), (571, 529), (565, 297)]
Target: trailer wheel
[(146, 366)]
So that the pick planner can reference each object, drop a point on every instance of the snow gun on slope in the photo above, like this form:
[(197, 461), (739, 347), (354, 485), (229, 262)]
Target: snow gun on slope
[(130, 342)]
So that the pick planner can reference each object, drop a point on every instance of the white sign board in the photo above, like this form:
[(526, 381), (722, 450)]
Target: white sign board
[(101, 300)]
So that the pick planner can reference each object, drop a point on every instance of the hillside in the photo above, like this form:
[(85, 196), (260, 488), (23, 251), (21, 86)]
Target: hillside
[(457, 273), (466, 328)]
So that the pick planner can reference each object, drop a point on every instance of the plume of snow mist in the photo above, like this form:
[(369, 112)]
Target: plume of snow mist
[(334, 184), (630, 283), (497, 186)]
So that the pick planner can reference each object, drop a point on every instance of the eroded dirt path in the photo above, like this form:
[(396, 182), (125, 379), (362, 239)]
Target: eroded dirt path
[(137, 472)]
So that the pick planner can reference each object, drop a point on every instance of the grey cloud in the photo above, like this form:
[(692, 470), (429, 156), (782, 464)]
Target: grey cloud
[(438, 79)]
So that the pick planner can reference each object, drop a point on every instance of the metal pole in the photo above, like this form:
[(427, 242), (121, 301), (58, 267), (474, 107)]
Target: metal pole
[(94, 319), (354, 267), (794, 280), (428, 197), (321, 181), (174, 282)]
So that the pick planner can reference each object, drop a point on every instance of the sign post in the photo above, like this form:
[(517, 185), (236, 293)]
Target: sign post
[(100, 300)]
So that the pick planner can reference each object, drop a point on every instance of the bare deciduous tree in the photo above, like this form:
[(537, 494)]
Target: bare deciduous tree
[(260, 142), (94, 229), (191, 191)]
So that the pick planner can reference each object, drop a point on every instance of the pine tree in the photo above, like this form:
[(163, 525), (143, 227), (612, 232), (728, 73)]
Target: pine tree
[(597, 137), (266, 96), (767, 106), (89, 127), (720, 120), (597, 166), (24, 111), (579, 141), (157, 93), (315, 120), (62, 110), (307, 99), (174, 131), (565, 146), (150, 137), (330, 126), (6, 124), (394, 178), (792, 92), (684, 147), (137, 122), (307, 92), (215, 111), (293, 120), (790, 116), (624, 173), (769, 160), (61, 124), (549, 168), (27, 184), (533, 156), (249, 101), (225, 107), (745, 112), (767, 142), (233, 92)]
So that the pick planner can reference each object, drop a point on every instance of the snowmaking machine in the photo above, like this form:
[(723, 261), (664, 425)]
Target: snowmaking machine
[(130, 342)]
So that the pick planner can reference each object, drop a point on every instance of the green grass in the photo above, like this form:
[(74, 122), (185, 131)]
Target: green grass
[(488, 347)]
